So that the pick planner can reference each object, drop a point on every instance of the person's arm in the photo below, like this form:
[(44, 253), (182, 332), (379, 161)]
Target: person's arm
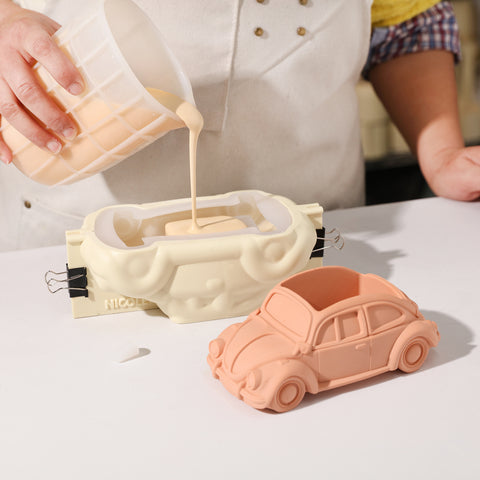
[(25, 38), (411, 66), (419, 92)]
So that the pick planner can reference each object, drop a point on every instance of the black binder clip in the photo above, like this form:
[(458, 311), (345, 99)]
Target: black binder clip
[(332, 238), (73, 279)]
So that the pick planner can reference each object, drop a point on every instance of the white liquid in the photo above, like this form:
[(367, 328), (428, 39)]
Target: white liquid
[(193, 120)]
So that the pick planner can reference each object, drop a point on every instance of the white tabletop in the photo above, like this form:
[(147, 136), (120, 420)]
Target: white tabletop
[(69, 410)]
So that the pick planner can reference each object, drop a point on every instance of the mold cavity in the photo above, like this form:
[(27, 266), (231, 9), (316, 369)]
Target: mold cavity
[(134, 232), (137, 226), (217, 224)]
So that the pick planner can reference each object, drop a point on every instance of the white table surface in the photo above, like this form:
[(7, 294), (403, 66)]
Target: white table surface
[(69, 410)]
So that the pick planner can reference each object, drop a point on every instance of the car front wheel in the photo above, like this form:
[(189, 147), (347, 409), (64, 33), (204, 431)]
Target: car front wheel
[(288, 394), (413, 355)]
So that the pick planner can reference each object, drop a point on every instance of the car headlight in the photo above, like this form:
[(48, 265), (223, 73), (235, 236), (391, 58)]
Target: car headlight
[(216, 347), (253, 379)]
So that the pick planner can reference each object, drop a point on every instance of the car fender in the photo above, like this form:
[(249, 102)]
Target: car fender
[(419, 328), (278, 371)]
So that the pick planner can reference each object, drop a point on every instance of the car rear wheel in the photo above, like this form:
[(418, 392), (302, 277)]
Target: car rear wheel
[(413, 355), (288, 395)]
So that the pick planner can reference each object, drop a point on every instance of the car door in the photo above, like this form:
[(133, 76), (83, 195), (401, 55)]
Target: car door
[(386, 321), (342, 346)]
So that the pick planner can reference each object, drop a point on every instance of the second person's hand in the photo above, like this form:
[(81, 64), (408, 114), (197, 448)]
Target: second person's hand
[(26, 38), (454, 173)]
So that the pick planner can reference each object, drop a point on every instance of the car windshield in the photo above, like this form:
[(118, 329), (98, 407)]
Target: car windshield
[(294, 317)]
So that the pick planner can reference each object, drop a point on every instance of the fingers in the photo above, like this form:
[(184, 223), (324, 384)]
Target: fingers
[(41, 47), (457, 176), (35, 99), (24, 103), (470, 173), (473, 154), (21, 120)]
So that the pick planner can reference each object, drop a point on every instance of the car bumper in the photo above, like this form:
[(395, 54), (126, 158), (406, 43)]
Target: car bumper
[(235, 387), (252, 399)]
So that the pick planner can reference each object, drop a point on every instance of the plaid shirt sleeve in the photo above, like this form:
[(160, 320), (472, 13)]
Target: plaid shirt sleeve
[(434, 29)]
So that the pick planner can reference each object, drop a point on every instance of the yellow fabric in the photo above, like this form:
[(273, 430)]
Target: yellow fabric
[(391, 12)]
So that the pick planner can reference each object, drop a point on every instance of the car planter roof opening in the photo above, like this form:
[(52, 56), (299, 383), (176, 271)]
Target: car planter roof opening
[(318, 330)]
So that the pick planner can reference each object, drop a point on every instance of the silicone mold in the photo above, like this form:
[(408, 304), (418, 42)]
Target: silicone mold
[(192, 277), (318, 330)]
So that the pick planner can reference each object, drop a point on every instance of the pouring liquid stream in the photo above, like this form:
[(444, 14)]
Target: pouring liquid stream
[(193, 120)]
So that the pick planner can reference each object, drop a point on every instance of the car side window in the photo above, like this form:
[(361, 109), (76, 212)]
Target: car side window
[(382, 316), (326, 333), (342, 327), (348, 324)]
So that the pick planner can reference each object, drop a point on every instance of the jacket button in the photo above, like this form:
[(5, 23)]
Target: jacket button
[(301, 31), (301, 2), (27, 204), (258, 31), (260, 1)]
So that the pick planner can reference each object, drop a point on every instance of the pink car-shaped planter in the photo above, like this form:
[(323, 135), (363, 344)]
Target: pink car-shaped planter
[(318, 330)]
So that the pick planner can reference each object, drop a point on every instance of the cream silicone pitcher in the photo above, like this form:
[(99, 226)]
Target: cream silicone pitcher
[(119, 52)]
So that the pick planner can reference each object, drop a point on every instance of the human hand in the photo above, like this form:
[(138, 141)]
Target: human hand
[(454, 173), (420, 93), (25, 38)]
